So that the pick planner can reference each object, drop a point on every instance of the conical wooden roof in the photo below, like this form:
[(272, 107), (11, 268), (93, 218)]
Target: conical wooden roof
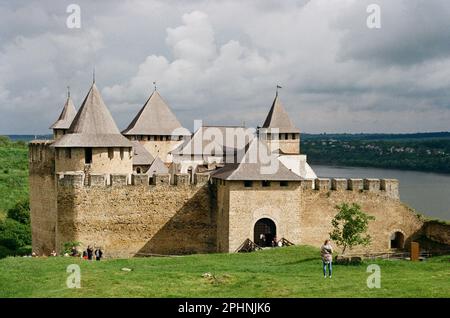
[(155, 118), (93, 126), (279, 118), (66, 117)]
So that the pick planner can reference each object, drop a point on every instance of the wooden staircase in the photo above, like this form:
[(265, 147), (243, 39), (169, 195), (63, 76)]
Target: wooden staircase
[(248, 246)]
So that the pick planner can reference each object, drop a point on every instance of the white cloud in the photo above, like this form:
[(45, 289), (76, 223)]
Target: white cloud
[(220, 61)]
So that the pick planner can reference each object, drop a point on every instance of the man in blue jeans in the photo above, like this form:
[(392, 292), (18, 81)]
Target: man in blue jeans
[(326, 252)]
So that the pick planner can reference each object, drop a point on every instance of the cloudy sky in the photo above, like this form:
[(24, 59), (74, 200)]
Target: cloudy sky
[(220, 61)]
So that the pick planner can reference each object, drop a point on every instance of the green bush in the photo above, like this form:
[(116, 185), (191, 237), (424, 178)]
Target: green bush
[(20, 212), (14, 235), (24, 250), (5, 141), (5, 252)]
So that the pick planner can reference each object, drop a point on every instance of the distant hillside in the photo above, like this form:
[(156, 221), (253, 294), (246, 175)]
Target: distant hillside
[(28, 137), (420, 151), (362, 136), (13, 173)]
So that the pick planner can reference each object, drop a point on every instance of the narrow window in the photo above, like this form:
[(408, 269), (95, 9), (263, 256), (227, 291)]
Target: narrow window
[(87, 155), (121, 153), (138, 170), (57, 153), (68, 153), (283, 183), (248, 184), (110, 153), (266, 183)]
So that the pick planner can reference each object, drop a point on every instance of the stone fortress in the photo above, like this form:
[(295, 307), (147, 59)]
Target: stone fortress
[(157, 188)]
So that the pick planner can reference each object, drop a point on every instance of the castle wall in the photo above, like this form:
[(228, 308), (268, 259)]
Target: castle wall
[(128, 220), (223, 221), (101, 163), (302, 212), (42, 197), (376, 197)]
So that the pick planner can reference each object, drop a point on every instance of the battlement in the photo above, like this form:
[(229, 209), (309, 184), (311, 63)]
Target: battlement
[(382, 186), (41, 157), (78, 179)]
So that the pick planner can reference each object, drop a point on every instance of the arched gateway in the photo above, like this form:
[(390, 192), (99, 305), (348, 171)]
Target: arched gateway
[(264, 232)]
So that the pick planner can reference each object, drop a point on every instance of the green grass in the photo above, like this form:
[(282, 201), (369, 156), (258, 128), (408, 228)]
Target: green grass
[(284, 272), (13, 176)]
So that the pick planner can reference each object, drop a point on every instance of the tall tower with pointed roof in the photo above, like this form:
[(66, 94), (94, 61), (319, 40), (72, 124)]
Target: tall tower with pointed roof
[(281, 134), (62, 124), (156, 128), (93, 143)]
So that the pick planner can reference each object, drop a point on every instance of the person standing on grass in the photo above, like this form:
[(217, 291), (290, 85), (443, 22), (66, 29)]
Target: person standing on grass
[(326, 252), (90, 251), (98, 254)]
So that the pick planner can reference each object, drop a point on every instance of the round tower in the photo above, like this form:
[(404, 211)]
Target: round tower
[(93, 143)]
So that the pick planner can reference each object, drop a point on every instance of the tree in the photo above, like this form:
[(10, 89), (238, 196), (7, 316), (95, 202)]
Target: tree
[(14, 235), (20, 212), (350, 225)]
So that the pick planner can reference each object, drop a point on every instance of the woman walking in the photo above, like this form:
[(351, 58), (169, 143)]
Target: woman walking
[(327, 258)]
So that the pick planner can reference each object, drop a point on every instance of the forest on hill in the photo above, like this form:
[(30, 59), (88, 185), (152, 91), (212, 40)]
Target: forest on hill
[(421, 151)]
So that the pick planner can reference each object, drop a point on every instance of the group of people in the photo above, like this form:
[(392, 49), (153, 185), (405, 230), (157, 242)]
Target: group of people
[(274, 242), (88, 254)]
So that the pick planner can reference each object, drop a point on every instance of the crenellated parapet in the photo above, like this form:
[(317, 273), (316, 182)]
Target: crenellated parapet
[(79, 179), (41, 157), (389, 187)]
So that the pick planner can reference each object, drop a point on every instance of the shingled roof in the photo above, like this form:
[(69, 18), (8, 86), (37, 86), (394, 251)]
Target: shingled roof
[(251, 167), (93, 126), (66, 117), (141, 156), (155, 118), (157, 166), (279, 118)]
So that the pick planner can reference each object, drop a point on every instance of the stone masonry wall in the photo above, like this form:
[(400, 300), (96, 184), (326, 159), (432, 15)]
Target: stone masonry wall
[(42, 197), (101, 163), (391, 215), (248, 205), (128, 220)]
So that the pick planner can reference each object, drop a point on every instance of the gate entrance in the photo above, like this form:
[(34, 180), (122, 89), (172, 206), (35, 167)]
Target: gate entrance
[(264, 232)]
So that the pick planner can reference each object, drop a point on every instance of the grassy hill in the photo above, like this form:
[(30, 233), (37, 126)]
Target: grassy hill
[(282, 272), (13, 173)]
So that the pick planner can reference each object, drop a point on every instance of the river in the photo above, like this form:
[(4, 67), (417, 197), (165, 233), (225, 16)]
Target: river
[(428, 193)]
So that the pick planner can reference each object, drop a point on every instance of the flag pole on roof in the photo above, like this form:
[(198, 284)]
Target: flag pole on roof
[(154, 85), (278, 87)]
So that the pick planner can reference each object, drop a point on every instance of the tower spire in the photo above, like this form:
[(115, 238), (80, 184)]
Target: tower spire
[(154, 85), (68, 91), (276, 92), (93, 75)]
